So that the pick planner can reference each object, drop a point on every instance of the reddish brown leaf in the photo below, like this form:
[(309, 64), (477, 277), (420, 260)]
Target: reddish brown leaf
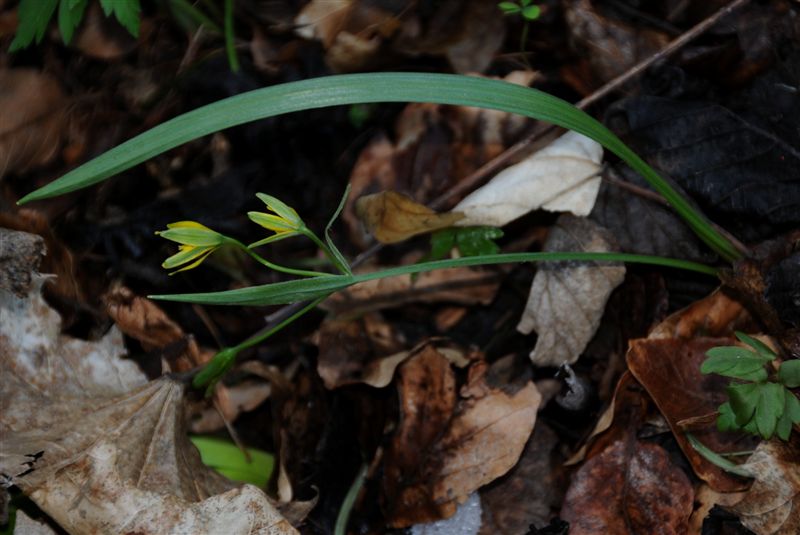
[(630, 488), (670, 371)]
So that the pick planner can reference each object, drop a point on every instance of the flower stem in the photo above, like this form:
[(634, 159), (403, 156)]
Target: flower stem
[(283, 269), (345, 270)]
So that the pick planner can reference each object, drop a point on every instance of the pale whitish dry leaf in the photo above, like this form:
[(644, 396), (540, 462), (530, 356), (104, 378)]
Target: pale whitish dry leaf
[(567, 299), (772, 504), (113, 452), (322, 19), (562, 177)]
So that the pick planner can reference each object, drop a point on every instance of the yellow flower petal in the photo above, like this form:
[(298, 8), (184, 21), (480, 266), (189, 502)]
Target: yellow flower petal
[(195, 263), (271, 222)]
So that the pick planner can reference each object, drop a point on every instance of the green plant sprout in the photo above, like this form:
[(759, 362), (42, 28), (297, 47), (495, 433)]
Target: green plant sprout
[(525, 9), (313, 287), (34, 17), (254, 467), (760, 402)]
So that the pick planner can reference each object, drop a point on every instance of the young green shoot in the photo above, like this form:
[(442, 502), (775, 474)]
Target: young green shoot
[(759, 400)]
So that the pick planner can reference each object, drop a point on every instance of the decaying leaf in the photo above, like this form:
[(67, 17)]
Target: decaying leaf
[(567, 300), (142, 319), (610, 45), (32, 106), (99, 448), (446, 446), (772, 504), (561, 177), (393, 217), (631, 487), (528, 493)]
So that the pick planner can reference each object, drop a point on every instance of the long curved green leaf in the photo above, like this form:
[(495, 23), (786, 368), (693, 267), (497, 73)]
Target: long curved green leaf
[(283, 293), (374, 87)]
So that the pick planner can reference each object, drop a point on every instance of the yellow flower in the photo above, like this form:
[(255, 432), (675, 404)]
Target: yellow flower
[(196, 243), (284, 221)]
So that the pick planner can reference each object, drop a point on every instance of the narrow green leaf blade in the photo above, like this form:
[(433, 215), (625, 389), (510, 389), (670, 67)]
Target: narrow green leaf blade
[(716, 458), (281, 293), (375, 87), (789, 373)]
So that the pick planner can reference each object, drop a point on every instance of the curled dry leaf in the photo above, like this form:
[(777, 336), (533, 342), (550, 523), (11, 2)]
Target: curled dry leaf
[(96, 446), (631, 487), (567, 299), (392, 217), (32, 106), (772, 504), (561, 177), (142, 319), (447, 446)]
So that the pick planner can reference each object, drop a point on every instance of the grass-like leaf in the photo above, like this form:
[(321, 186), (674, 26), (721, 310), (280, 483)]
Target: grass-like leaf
[(282, 293), (717, 459), (375, 87), (760, 347)]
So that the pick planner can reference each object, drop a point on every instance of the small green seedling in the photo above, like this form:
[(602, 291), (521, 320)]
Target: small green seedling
[(470, 241), (34, 17), (525, 9), (760, 402)]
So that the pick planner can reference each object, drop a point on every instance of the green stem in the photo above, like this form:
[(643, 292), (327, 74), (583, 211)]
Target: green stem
[(345, 270), (197, 16), (224, 359), (230, 46), (349, 500), (263, 261)]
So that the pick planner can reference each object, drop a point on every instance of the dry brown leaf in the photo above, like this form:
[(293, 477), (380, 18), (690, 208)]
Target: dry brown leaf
[(529, 492), (466, 286), (392, 217), (103, 37), (611, 46), (567, 299), (145, 321), (448, 446), (772, 504), (97, 447), (670, 371), (715, 315), (32, 106), (631, 487), (561, 177), (355, 351)]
